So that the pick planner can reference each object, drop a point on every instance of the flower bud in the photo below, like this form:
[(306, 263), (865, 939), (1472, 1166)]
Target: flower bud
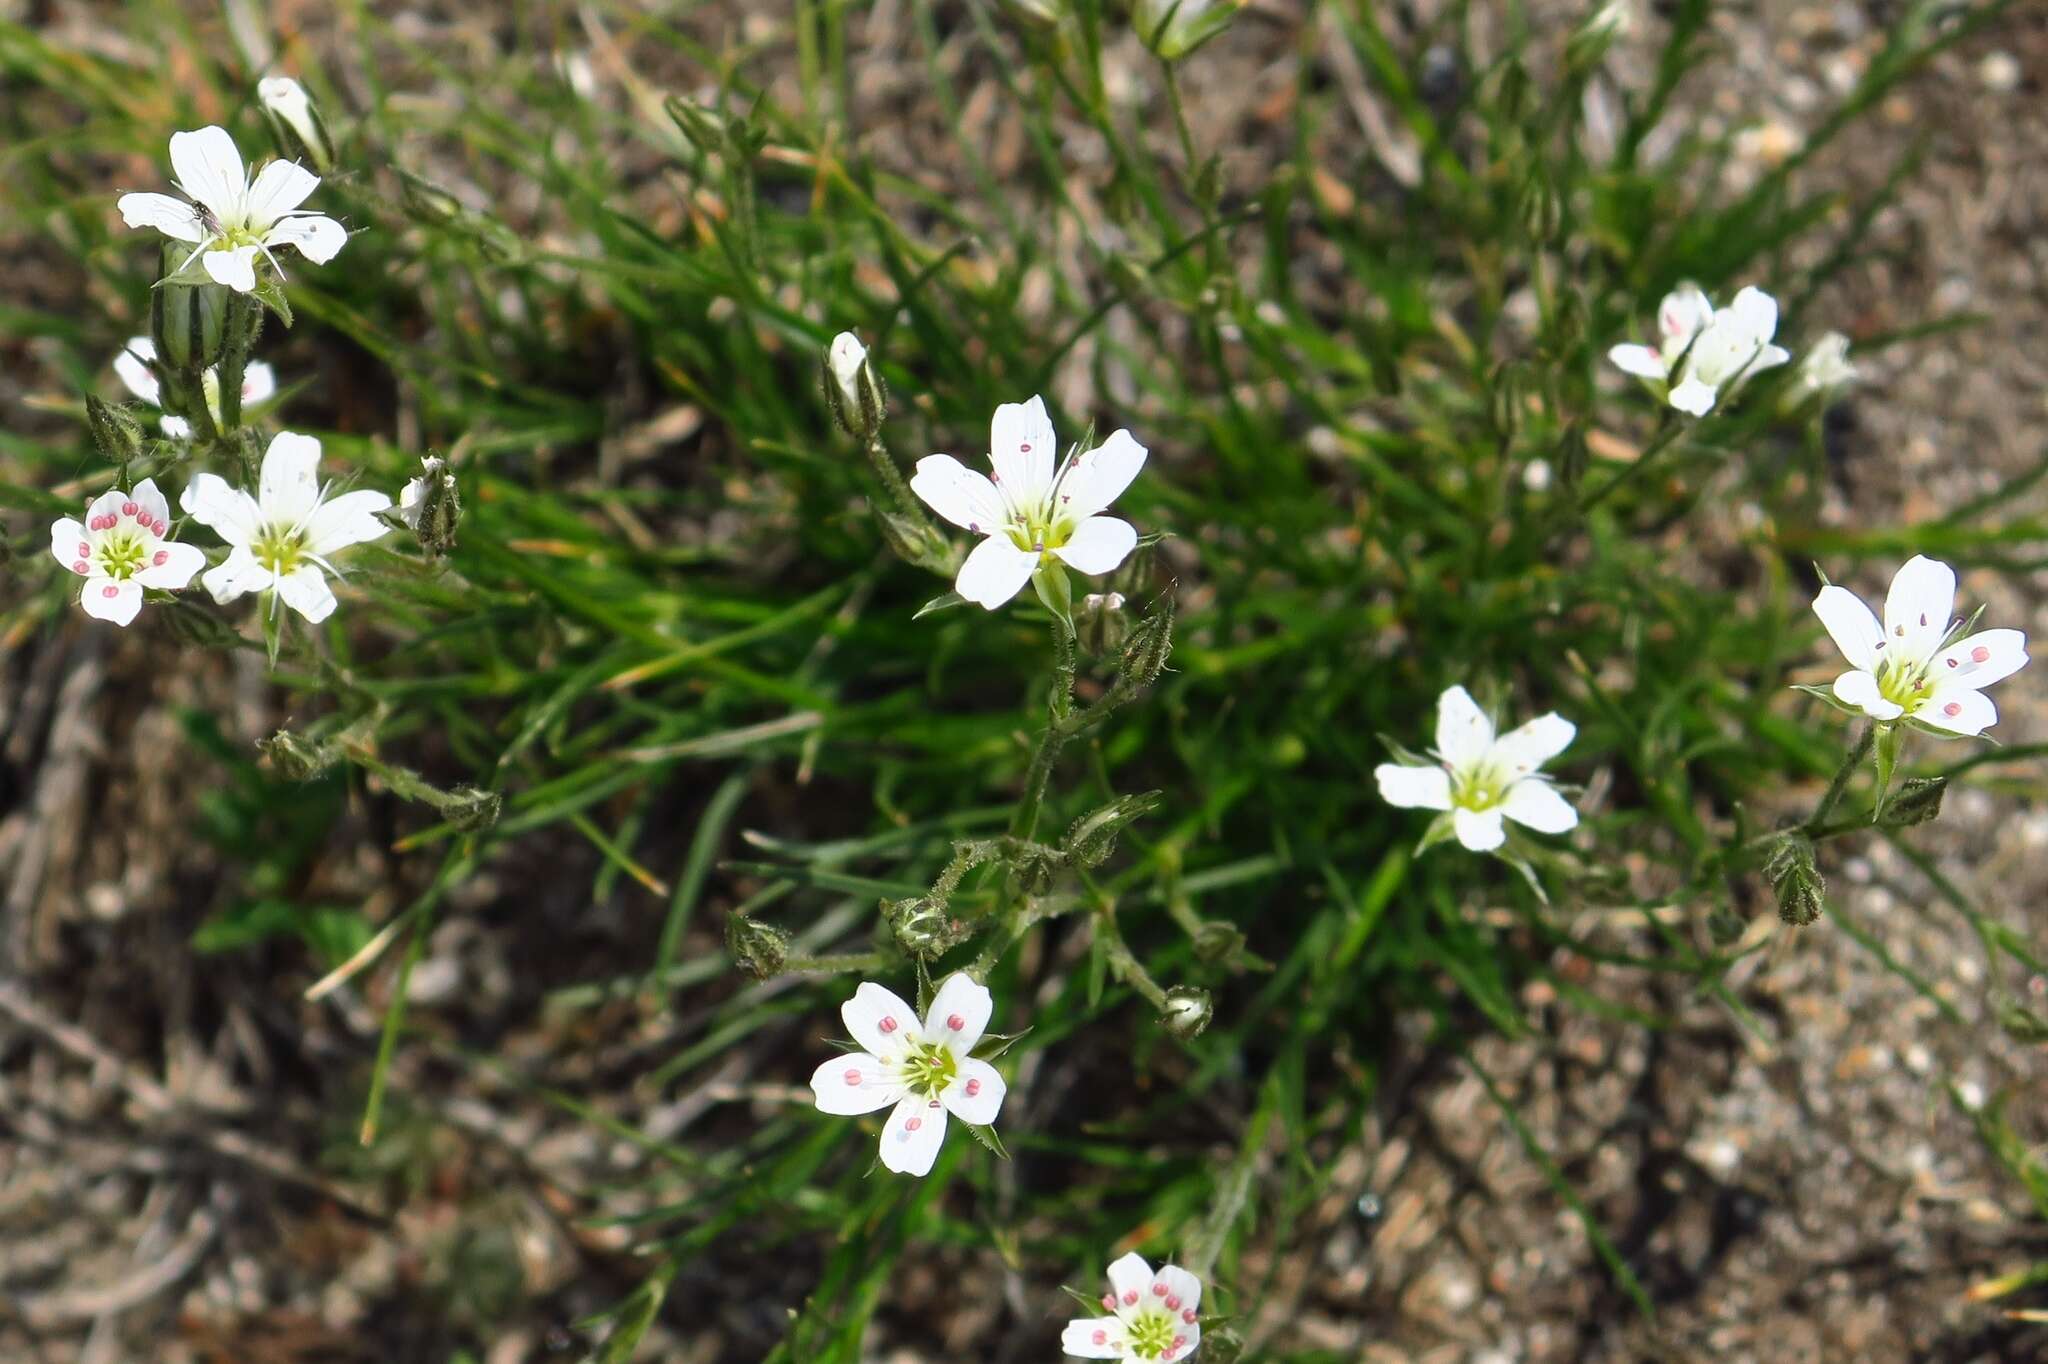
[(471, 809), (1725, 926), (1093, 837), (853, 390), (427, 202), (1824, 372), (924, 925), (1048, 12), (195, 625), (1573, 455), (1216, 941), (188, 323), (1188, 1011), (1101, 624), (114, 430), (756, 947), (296, 123), (1505, 405), (1174, 28), (1917, 802), (294, 758), (431, 506), (1221, 1345), (1796, 880), (1148, 648), (1541, 210), (2020, 1023), (1596, 33)]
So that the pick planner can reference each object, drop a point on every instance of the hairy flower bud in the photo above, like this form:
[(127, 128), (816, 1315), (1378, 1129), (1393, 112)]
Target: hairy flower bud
[(471, 809), (1725, 926), (432, 507), (2020, 1023), (1917, 802), (188, 324), (1100, 624), (1216, 941), (296, 123), (1149, 646), (294, 758), (1796, 880), (1596, 33), (114, 430), (1221, 1345), (1093, 837), (755, 946), (1188, 1011)]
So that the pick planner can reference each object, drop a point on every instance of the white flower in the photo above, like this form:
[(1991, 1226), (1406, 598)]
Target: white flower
[(281, 538), (846, 358), (1030, 510), (259, 384), (120, 549), (1152, 1316), (230, 219), (1701, 351), (1907, 668), (1826, 367), (1481, 777), (923, 1069)]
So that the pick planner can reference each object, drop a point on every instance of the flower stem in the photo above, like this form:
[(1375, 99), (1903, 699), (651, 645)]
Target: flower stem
[(1840, 785), (892, 478), (1664, 440), (1122, 963), (239, 329), (1058, 729)]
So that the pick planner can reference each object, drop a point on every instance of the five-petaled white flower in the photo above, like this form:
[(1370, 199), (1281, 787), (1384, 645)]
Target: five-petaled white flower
[(1826, 368), (1152, 1316), (259, 384), (232, 219), (1702, 351), (923, 1069), (120, 549), (1031, 508), (281, 538), (1908, 668), (1481, 777)]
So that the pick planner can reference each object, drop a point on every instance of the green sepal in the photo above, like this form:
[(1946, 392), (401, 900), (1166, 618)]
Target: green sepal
[(1889, 740)]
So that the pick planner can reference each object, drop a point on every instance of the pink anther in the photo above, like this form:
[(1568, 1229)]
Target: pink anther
[(955, 1022), (1131, 1298), (1173, 1302), (1108, 1304), (1189, 1316), (973, 1088), (913, 1124), (81, 567), (161, 557), (128, 509), (1980, 654), (888, 1025), (110, 591), (852, 1076), (1158, 1290), (1952, 709), (1101, 1337)]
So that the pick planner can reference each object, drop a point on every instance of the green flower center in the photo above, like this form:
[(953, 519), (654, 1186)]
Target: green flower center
[(1905, 682), (1478, 788), (929, 1068), (122, 554), (1151, 1331), (1037, 529), (279, 548)]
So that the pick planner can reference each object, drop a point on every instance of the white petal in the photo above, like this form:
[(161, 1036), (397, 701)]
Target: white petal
[(1981, 659), (1770, 357), (280, 187), (175, 572), (1190, 1336), (1640, 361), (1098, 544), (1098, 477), (980, 1107), (176, 428), (1859, 689), (1130, 1278), (1916, 610), (229, 512), (305, 591), (1757, 314), (1683, 314), (131, 367), (912, 1136), (1851, 625), (107, 503), (289, 485), (1182, 1285), (235, 575), (850, 1085), (236, 269), (150, 499), (960, 1012), (1693, 397), (350, 519), (1960, 710), (1535, 803), (105, 599), (318, 239), (259, 382), (959, 494), (1414, 788), (1021, 449), (1080, 1338), (1463, 733), (1479, 830), (173, 217), (1527, 747), (878, 1019), (995, 572), (70, 542), (209, 169)]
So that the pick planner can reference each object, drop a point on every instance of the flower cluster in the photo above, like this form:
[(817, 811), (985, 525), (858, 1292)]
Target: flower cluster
[(1702, 353)]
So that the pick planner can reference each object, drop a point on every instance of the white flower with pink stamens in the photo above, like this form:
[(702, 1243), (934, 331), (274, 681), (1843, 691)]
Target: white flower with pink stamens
[(231, 220), (120, 549), (923, 1068), (259, 384), (1151, 1316), (1913, 667), (1482, 778), (1701, 352), (1032, 507), (281, 538)]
